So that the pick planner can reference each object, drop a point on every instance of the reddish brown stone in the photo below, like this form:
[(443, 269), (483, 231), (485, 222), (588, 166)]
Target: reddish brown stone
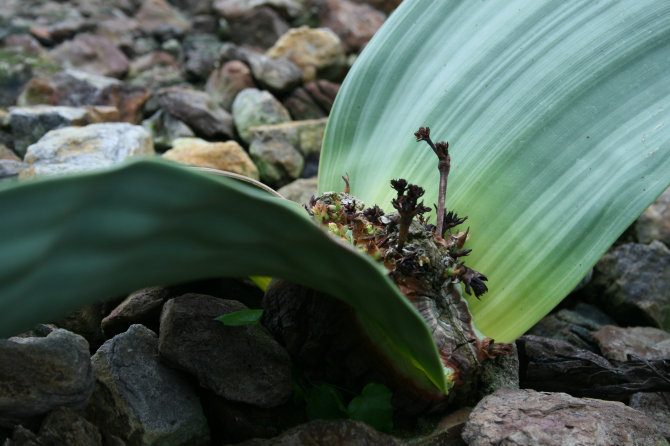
[(354, 23)]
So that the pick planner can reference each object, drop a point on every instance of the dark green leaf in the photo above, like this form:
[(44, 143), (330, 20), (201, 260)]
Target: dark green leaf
[(373, 406), (70, 241), (324, 402)]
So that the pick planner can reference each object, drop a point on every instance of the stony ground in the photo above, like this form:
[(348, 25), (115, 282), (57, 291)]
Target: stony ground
[(247, 86)]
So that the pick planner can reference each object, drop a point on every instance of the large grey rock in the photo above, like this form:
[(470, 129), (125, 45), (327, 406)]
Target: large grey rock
[(276, 74), (253, 107), (139, 399), (198, 111), (78, 149), (29, 124), (39, 374), (654, 223), (243, 363), (631, 283), (643, 342), (527, 417)]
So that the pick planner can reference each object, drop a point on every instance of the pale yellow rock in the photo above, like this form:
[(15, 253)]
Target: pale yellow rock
[(317, 51), (229, 155)]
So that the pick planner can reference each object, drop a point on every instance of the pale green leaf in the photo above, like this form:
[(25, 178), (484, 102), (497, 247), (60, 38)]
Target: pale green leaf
[(557, 118), (70, 241)]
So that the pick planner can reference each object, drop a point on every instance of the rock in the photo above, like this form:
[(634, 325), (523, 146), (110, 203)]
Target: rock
[(253, 107), (22, 437), (328, 432), (165, 129), (58, 31), (139, 399), (654, 223), (63, 426), (527, 417), (201, 54), (77, 149), (141, 307), (501, 371), (643, 342), (278, 161), (233, 9), (198, 111), (154, 70), (354, 23), (313, 100), (227, 156), (193, 6), (238, 422), (173, 47), (120, 32), (86, 323), (11, 168), (29, 124), (18, 65), (278, 75), (243, 364), (93, 54), (558, 366), (206, 23), (224, 83), (257, 28), (300, 190), (38, 375), (386, 6), (573, 326), (76, 88), (160, 19), (631, 283), (144, 45), (317, 52), (656, 406), (8, 154), (280, 150)]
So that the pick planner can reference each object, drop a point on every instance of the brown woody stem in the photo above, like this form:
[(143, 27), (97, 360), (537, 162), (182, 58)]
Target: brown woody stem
[(441, 149)]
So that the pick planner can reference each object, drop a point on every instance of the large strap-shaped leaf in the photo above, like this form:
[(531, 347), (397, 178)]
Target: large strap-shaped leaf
[(557, 114), (69, 241)]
